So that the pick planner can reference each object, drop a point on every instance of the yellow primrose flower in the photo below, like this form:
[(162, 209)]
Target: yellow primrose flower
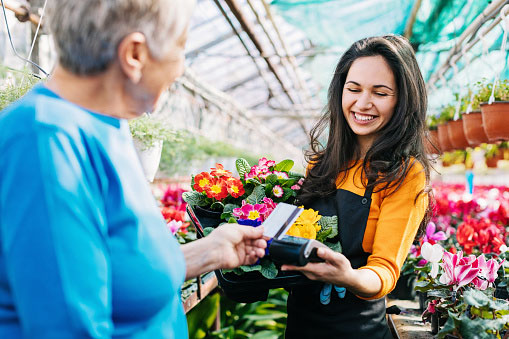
[(294, 231), (308, 217), (308, 231)]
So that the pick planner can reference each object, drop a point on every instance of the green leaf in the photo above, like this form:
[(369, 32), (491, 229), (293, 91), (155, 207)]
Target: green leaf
[(257, 196), (207, 230), (323, 234), (269, 269), (272, 179), (217, 206), (243, 167), (250, 268), (441, 293), (228, 211), (268, 189), (194, 198), (334, 246), (287, 194), (284, 166), (478, 299), (329, 223), (232, 221)]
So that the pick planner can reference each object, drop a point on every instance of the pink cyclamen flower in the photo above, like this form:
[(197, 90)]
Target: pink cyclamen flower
[(278, 191), (174, 226), (458, 270), (431, 306), (432, 235)]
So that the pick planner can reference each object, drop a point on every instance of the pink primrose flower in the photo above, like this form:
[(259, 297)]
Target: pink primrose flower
[(281, 175), (295, 187), (278, 191), (250, 212), (264, 162)]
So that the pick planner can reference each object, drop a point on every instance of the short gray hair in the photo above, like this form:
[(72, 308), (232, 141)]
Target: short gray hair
[(87, 32)]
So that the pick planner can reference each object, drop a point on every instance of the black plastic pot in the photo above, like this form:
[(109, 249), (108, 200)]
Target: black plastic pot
[(423, 303), (437, 321), (501, 292), (404, 289), (202, 218), (253, 286)]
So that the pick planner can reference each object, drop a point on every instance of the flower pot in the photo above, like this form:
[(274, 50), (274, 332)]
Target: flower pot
[(149, 157), (457, 135), (443, 138), (404, 289), (501, 293), (423, 304), (492, 161), (431, 143), (437, 321), (474, 129), (207, 217), (495, 118)]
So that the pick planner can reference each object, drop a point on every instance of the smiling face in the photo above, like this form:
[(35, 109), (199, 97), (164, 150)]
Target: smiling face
[(369, 98)]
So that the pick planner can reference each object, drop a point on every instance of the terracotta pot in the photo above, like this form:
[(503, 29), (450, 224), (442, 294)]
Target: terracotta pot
[(493, 160), (474, 129), (456, 134), (431, 142), (443, 138), (495, 118)]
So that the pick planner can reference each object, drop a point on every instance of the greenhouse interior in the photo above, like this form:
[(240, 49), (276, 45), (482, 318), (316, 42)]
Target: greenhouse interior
[(254, 169)]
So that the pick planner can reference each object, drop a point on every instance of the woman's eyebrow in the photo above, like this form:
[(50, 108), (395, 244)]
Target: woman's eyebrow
[(375, 86)]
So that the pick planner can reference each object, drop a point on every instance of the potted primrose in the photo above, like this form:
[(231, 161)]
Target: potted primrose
[(443, 119)]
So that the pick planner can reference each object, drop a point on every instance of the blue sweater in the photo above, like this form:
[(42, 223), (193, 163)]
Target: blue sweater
[(84, 251)]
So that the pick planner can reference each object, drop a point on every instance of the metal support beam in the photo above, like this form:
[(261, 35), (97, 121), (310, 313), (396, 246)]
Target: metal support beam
[(411, 20)]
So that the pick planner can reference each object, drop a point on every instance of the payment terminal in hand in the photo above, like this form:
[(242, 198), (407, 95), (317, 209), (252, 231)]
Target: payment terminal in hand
[(286, 249)]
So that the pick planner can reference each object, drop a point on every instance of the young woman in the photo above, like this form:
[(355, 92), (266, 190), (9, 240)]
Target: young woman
[(372, 173)]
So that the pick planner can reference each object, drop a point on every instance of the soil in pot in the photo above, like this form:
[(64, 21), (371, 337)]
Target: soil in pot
[(474, 129), (495, 118), (443, 138), (457, 135)]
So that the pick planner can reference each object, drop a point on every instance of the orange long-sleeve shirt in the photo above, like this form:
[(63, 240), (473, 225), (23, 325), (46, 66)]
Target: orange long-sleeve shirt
[(392, 223)]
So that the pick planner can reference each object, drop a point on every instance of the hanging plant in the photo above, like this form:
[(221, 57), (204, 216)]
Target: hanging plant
[(496, 114)]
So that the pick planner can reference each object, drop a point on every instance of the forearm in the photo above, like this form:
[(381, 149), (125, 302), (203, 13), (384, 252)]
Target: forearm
[(364, 283), (201, 256)]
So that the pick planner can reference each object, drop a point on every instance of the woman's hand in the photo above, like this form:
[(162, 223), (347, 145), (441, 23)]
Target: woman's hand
[(338, 271), (228, 246), (238, 245)]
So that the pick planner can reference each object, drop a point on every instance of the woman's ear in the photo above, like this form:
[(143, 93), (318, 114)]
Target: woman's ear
[(133, 54)]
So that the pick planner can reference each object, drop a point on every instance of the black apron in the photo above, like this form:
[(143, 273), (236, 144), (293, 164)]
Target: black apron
[(349, 317)]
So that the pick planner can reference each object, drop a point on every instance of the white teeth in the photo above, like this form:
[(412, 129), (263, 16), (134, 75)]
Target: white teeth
[(363, 117)]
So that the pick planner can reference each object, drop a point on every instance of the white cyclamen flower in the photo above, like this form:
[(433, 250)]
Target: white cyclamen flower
[(433, 254)]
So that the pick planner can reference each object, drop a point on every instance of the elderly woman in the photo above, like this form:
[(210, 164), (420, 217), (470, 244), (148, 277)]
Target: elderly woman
[(84, 249)]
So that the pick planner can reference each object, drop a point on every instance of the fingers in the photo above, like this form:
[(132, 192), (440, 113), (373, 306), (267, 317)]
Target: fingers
[(252, 232)]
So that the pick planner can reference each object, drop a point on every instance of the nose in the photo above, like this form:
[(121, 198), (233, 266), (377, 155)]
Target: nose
[(364, 101)]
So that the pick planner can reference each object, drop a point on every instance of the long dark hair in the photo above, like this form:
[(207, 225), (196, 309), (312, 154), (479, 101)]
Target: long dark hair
[(400, 142)]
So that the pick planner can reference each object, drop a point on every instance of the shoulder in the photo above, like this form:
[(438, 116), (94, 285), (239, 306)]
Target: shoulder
[(413, 181)]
